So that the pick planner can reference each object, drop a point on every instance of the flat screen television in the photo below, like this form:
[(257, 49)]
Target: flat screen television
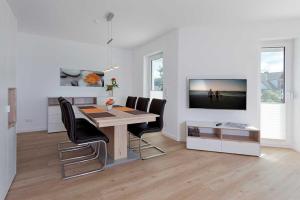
[(228, 94)]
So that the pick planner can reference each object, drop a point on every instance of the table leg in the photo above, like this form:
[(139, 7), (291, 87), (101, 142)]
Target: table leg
[(117, 146)]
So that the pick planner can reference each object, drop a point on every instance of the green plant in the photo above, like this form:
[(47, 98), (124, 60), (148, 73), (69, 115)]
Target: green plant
[(114, 84)]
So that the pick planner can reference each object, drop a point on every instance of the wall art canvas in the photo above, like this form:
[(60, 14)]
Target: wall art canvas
[(81, 78), (218, 93)]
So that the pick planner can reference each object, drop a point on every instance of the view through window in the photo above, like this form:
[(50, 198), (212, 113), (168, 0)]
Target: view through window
[(273, 93), (272, 75), (157, 74)]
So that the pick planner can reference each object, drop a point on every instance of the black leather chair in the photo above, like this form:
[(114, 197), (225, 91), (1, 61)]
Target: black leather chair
[(157, 106), (83, 134), (130, 102), (142, 104), (63, 119), (80, 122)]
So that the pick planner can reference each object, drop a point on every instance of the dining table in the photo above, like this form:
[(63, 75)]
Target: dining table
[(113, 123)]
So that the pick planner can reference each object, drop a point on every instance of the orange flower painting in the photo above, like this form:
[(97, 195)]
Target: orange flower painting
[(78, 78)]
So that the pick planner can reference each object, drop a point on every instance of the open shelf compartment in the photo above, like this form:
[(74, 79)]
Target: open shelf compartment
[(241, 135), (208, 133)]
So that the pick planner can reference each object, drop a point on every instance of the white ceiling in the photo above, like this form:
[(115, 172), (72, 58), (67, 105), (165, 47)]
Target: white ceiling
[(137, 21)]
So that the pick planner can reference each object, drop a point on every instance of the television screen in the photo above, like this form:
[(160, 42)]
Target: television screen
[(218, 93)]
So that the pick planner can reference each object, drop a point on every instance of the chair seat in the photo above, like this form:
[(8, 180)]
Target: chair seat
[(139, 129), (86, 132)]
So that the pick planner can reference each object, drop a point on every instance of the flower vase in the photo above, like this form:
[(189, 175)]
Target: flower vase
[(109, 107)]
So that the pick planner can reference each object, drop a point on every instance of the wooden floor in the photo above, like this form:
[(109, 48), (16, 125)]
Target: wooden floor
[(181, 174)]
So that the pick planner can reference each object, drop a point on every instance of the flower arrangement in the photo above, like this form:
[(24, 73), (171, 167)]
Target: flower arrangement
[(109, 102), (114, 84)]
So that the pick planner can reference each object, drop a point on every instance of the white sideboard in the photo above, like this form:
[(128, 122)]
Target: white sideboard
[(208, 136), (54, 113)]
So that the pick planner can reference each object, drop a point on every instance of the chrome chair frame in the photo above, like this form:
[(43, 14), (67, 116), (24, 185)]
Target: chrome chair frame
[(80, 160), (146, 145), (61, 148), (76, 148)]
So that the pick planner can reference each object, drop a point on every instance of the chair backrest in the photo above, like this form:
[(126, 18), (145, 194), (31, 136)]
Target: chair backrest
[(142, 104), (70, 120), (60, 100), (130, 103), (157, 106)]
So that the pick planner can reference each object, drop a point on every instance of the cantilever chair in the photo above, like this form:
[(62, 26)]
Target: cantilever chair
[(130, 102), (85, 134), (142, 105), (63, 119), (157, 106)]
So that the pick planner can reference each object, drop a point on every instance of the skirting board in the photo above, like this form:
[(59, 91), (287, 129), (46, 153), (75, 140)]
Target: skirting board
[(6, 189), (170, 136), (20, 131)]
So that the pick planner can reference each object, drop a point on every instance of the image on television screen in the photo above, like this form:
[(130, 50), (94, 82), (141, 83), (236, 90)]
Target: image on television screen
[(218, 93)]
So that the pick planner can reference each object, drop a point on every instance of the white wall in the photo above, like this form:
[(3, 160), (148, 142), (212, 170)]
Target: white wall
[(218, 52), (8, 29), (296, 109), (234, 52), (168, 44), (38, 62)]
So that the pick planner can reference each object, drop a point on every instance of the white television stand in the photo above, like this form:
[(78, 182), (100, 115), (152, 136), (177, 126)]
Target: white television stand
[(228, 139)]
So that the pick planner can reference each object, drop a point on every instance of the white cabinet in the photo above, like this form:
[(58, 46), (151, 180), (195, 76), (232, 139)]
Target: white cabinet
[(209, 137), (238, 147), (55, 120), (204, 144), (54, 113)]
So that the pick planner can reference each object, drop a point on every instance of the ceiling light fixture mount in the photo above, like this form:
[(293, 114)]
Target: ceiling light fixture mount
[(109, 17)]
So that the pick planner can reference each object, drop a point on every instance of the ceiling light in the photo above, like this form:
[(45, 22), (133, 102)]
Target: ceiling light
[(109, 17)]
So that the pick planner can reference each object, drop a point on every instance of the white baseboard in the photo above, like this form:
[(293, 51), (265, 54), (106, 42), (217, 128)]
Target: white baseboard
[(9, 185), (275, 143), (27, 130), (170, 136)]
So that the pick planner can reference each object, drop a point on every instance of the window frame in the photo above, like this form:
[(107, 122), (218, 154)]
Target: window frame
[(284, 71), (154, 58)]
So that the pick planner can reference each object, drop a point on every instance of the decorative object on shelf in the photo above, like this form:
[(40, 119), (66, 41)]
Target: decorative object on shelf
[(110, 66), (110, 87), (109, 103), (77, 78)]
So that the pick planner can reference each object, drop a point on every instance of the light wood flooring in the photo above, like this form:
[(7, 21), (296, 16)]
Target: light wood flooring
[(181, 174)]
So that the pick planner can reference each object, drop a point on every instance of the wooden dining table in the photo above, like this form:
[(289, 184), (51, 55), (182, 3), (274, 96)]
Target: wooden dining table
[(113, 123)]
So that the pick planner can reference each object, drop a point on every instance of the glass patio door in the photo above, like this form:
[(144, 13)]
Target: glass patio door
[(275, 93)]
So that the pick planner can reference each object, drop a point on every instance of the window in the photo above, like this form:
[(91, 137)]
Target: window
[(154, 76), (272, 75), (273, 105), (157, 74)]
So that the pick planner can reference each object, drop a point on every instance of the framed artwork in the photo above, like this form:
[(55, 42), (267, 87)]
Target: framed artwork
[(81, 78)]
